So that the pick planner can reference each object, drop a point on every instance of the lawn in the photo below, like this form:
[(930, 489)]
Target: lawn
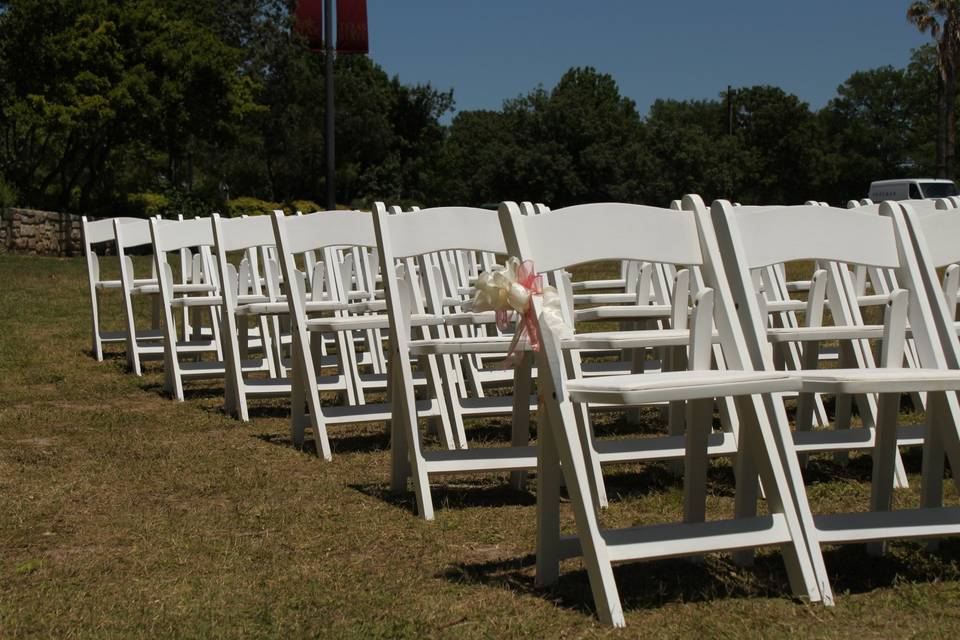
[(125, 514)]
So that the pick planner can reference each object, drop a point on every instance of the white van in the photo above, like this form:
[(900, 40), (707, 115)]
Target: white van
[(912, 189)]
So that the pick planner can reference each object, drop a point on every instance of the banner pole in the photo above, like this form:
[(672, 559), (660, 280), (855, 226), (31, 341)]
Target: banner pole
[(329, 113)]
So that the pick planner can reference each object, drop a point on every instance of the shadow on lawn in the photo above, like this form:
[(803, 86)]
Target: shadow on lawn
[(360, 443), (458, 495), (189, 393), (650, 585)]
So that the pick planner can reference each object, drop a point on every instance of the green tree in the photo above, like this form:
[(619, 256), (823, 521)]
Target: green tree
[(580, 142), (869, 129), (941, 19), (100, 96)]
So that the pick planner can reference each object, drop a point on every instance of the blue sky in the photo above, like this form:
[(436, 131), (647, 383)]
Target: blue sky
[(492, 50)]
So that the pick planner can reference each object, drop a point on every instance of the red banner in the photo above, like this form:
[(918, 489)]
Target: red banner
[(352, 26), (308, 22)]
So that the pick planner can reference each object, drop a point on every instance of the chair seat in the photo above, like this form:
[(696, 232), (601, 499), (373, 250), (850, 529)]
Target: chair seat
[(177, 288), (623, 312), (630, 339), (849, 332), (115, 284), (782, 306), (878, 380), (598, 340), (367, 306), (680, 385), (580, 285), (449, 346), (359, 323), (214, 301), (605, 298), (480, 317), (282, 308)]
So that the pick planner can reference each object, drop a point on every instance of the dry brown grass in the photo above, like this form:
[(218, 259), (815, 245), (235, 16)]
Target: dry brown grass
[(124, 514)]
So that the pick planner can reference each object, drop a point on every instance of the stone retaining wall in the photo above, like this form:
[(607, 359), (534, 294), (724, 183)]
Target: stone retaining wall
[(41, 232)]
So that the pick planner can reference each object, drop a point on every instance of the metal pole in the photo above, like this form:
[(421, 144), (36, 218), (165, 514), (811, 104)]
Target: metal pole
[(729, 110), (330, 114)]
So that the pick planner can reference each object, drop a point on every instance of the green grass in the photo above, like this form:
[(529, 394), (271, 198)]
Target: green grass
[(124, 514)]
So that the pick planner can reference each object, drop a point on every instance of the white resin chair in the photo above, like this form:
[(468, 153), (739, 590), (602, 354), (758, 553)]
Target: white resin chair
[(246, 297), (935, 235), (145, 344), (322, 232), (612, 231), (412, 238), (96, 234), (173, 237), (751, 239)]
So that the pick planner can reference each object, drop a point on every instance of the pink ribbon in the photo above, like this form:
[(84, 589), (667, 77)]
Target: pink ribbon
[(526, 325)]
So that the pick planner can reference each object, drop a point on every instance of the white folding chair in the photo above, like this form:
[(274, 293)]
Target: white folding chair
[(414, 237), (173, 237), (749, 240), (247, 297), (145, 344), (97, 233), (611, 231), (322, 232)]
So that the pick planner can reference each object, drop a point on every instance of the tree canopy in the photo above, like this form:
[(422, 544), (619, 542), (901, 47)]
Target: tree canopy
[(137, 107)]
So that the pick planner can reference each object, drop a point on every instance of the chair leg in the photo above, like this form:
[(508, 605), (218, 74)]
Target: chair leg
[(695, 460), (548, 503), (298, 398), (453, 387), (97, 346), (746, 474), (303, 356), (428, 364), (399, 457), (520, 424), (780, 476), (884, 460), (934, 457), (563, 423), (598, 489), (237, 404)]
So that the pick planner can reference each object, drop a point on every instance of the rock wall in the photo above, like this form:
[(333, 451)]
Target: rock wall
[(41, 232)]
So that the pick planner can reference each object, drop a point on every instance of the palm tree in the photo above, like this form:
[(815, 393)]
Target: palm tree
[(941, 18)]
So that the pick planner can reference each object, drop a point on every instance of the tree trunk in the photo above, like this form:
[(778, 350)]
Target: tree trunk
[(941, 129), (951, 131)]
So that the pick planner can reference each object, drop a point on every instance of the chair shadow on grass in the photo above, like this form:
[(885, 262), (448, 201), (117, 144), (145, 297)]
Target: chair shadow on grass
[(461, 494), (654, 584), (108, 356), (467, 493), (339, 444)]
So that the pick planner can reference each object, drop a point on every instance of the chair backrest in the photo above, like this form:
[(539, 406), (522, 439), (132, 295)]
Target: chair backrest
[(180, 234), (935, 239), (579, 234), (239, 234), (324, 232), (417, 235), (637, 233), (100, 231), (324, 229), (920, 206), (751, 239), (437, 229), (774, 235), (940, 233)]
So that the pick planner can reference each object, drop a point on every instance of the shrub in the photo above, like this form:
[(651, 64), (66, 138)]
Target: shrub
[(304, 206), (250, 207), (148, 204)]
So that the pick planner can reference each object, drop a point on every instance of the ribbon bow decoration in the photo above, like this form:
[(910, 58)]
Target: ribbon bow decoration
[(509, 290)]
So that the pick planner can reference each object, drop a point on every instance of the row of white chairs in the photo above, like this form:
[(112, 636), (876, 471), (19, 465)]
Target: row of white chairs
[(704, 291)]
